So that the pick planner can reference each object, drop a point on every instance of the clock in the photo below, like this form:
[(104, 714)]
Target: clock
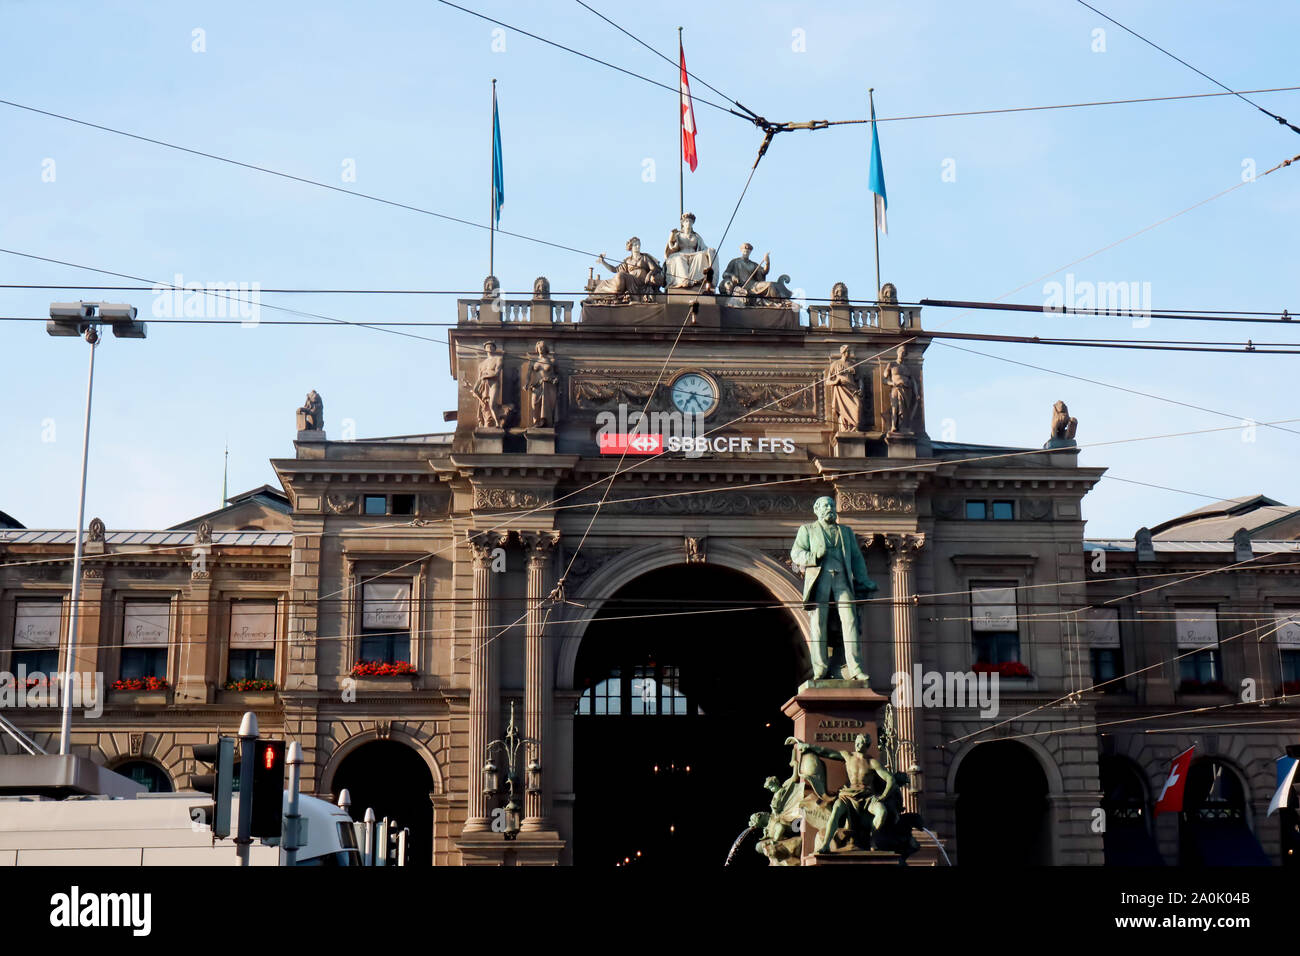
[(695, 393)]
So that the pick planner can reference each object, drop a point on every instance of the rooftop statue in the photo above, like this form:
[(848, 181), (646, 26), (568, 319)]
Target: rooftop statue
[(311, 417), (902, 394), (639, 275), (844, 391), (543, 386), (487, 387), (746, 280), (833, 570), (1063, 426), (688, 262)]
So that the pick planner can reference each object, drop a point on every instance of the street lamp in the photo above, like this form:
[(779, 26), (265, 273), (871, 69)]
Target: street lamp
[(85, 319), (510, 747)]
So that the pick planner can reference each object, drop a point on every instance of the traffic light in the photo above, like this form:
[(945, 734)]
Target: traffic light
[(220, 784), (268, 789)]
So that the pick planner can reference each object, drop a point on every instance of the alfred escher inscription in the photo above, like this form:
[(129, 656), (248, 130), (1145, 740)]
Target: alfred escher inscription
[(838, 731)]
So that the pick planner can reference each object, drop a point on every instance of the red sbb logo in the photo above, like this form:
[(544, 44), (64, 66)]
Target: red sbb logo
[(634, 444)]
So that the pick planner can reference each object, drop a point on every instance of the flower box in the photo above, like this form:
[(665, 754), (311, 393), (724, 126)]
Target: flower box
[(140, 683), (250, 684), (383, 669), (1008, 669)]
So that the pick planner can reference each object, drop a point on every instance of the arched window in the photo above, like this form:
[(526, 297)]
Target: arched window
[(647, 690), (153, 777), (1213, 827)]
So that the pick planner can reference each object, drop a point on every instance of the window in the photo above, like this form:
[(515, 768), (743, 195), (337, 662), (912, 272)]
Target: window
[(402, 505), (994, 623), (252, 641), (1288, 645), (1004, 510), (145, 630), (652, 690), (1100, 627), (385, 621), (153, 777), (977, 510), (37, 623), (375, 505), (1198, 631)]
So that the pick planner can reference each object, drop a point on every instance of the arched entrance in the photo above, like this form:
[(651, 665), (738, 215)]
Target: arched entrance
[(1214, 827), (392, 779), (1128, 840), (679, 719), (1002, 807)]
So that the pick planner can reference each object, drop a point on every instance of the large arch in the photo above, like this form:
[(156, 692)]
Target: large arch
[(1003, 805), (391, 777), (677, 722), (366, 736), (627, 567)]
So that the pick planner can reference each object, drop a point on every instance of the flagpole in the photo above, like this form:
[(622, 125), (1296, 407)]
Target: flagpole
[(492, 190), (875, 226), (681, 141)]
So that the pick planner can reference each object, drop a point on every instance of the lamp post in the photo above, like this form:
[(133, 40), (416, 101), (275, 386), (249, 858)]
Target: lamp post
[(510, 746), (84, 319)]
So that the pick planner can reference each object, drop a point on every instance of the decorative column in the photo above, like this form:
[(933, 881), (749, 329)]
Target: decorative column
[(483, 704), (539, 546), (902, 559)]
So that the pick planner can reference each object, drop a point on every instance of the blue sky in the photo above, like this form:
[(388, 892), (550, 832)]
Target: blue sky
[(403, 91)]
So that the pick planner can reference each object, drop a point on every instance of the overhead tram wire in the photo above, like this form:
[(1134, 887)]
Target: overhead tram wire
[(1151, 43)]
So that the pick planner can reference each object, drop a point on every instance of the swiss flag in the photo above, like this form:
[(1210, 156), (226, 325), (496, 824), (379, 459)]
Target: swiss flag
[(688, 118), (1171, 797)]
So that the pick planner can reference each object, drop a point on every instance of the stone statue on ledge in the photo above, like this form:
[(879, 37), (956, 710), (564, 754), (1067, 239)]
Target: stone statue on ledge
[(902, 394), (688, 261), (745, 281), (487, 387), (1063, 428), (638, 276), (834, 570), (844, 391), (543, 386), (311, 417)]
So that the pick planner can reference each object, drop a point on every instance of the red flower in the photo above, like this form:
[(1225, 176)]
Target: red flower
[(1005, 669), (140, 683), (383, 669)]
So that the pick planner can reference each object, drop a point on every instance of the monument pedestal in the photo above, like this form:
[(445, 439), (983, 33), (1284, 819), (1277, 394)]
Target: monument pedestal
[(540, 848), (901, 446), (489, 441), (541, 441), (850, 445), (831, 714), (311, 434)]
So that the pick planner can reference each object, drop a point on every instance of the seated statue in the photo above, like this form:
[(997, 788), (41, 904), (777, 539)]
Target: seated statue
[(745, 279), (638, 275), (688, 262)]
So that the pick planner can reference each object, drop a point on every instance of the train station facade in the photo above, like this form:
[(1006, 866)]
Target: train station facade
[(398, 601)]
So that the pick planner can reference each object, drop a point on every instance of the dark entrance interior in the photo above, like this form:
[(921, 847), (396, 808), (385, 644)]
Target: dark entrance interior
[(1213, 829), (390, 777), (1002, 807), (680, 718)]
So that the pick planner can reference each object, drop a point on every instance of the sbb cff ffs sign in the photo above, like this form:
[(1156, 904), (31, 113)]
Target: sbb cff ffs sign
[(268, 789)]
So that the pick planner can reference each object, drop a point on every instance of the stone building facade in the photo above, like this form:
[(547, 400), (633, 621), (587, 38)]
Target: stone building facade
[(644, 630)]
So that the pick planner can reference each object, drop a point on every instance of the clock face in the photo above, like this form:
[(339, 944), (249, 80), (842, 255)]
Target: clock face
[(694, 394)]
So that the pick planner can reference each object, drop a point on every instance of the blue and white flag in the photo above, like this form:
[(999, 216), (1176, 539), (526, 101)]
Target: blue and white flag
[(1286, 768), (877, 179), (498, 172)]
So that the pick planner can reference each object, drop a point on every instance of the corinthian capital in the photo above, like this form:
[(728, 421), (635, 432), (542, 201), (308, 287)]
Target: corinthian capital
[(539, 546), (903, 546), (482, 544)]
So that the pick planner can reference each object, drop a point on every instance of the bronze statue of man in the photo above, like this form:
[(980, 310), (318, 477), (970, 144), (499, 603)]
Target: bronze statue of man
[(833, 570), (311, 416)]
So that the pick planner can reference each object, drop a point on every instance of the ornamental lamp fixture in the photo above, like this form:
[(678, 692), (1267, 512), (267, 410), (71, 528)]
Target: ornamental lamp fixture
[(510, 745)]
